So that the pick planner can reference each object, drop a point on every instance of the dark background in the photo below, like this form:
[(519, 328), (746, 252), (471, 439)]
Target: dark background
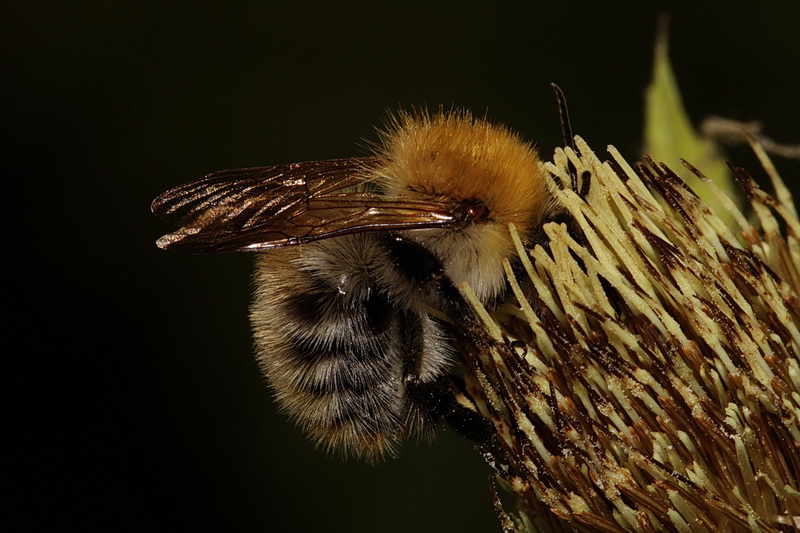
[(132, 398)]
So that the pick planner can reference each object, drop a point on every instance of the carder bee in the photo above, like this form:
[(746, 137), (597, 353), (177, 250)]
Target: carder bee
[(353, 257)]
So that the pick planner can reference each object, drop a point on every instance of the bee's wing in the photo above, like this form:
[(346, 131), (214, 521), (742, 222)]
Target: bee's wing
[(271, 207)]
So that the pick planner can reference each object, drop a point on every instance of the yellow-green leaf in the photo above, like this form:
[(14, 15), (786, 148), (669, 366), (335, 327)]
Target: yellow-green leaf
[(670, 136)]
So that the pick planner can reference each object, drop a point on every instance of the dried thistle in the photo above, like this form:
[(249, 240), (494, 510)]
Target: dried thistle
[(650, 379)]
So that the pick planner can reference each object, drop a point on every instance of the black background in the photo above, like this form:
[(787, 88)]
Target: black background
[(132, 398)]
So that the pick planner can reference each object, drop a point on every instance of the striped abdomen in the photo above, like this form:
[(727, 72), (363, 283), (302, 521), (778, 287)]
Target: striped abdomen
[(337, 339)]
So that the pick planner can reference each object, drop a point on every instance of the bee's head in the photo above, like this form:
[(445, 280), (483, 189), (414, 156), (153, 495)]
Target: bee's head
[(484, 167)]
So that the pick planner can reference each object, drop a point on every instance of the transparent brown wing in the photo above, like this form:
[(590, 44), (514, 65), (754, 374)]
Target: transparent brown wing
[(258, 209)]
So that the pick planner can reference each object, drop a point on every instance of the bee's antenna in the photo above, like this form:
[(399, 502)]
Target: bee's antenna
[(563, 115), (569, 141)]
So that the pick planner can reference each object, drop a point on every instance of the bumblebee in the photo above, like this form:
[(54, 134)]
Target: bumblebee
[(353, 257)]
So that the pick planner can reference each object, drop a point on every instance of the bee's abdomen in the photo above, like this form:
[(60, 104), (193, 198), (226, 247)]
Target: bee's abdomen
[(330, 353)]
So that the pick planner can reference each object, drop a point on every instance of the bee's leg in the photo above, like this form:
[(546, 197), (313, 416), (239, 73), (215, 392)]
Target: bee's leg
[(425, 273), (434, 399), (437, 401)]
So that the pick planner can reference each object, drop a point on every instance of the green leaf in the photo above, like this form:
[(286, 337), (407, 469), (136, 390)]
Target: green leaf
[(670, 136)]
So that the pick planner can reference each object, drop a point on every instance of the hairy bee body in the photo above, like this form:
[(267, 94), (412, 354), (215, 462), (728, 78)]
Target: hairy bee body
[(338, 343), (354, 254)]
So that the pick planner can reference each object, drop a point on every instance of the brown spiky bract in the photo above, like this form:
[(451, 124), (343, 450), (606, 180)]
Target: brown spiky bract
[(654, 383)]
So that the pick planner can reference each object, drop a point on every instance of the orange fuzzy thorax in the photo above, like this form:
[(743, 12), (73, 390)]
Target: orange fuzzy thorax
[(458, 156)]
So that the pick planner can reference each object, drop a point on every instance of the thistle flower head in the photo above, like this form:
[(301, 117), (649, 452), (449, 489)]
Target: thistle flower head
[(649, 377)]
